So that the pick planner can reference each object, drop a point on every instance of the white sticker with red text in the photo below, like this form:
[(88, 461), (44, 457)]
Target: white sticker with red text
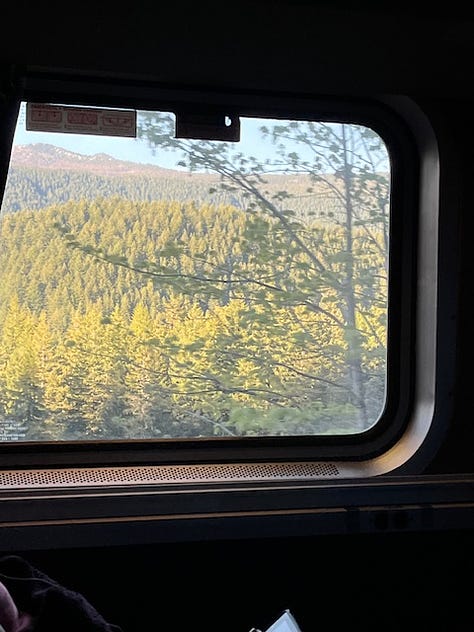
[(41, 117)]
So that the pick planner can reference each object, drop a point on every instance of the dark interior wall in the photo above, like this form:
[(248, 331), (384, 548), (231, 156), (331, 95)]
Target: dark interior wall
[(449, 117), (389, 582), (334, 47)]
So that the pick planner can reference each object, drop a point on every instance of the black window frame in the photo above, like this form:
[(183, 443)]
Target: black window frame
[(377, 113)]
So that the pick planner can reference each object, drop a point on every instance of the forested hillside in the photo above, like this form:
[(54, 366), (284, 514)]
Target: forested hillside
[(34, 188), (211, 336), (41, 175)]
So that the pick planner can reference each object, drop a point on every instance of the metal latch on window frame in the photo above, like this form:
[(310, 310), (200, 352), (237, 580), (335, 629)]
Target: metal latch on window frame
[(207, 126)]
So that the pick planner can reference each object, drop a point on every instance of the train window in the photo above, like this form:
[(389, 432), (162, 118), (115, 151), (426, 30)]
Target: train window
[(167, 287), (212, 277)]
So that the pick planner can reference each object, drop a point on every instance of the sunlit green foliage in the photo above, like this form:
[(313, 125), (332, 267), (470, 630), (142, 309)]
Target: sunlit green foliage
[(220, 333)]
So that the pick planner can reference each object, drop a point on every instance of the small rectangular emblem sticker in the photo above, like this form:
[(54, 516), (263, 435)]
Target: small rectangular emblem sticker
[(42, 117)]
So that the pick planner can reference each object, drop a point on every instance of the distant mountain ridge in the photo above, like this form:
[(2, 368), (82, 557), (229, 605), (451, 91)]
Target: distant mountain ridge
[(46, 156), (42, 174)]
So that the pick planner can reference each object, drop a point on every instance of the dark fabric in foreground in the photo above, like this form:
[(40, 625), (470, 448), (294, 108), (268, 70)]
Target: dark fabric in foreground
[(53, 607)]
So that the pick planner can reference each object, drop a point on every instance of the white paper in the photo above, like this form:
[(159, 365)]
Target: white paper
[(286, 623)]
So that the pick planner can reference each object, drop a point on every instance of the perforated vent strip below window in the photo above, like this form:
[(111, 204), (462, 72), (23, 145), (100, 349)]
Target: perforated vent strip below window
[(171, 474)]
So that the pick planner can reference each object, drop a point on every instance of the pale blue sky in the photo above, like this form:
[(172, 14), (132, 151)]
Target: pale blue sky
[(135, 150)]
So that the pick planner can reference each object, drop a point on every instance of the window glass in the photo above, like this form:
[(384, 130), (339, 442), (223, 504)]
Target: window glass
[(162, 287)]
